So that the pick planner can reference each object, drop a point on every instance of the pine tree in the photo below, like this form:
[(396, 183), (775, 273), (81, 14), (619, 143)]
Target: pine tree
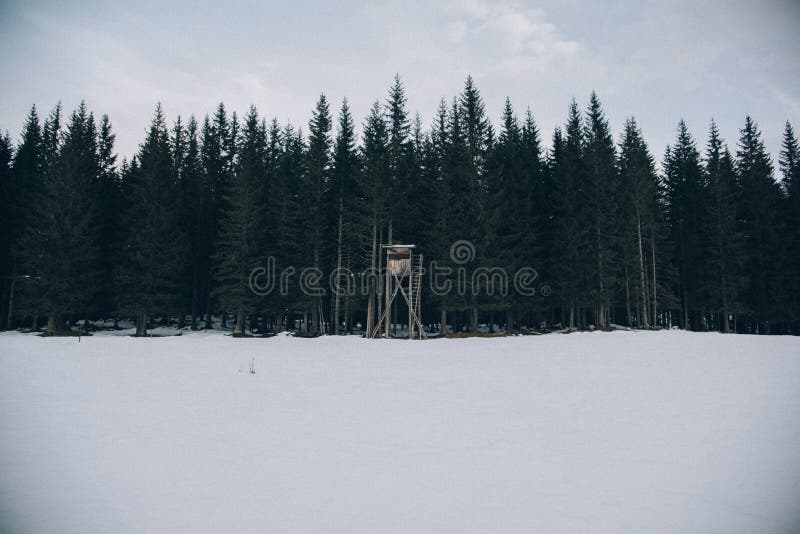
[(192, 191), (343, 172), (510, 219), (108, 204), (722, 239), (400, 157), (639, 217), (476, 128), (789, 162), (469, 120), (316, 188), (438, 236), (374, 184), (27, 175), (217, 155), (276, 196), (760, 200), (153, 253), (240, 246), (287, 210), (599, 237), (685, 197), (568, 168), (60, 246), (8, 194)]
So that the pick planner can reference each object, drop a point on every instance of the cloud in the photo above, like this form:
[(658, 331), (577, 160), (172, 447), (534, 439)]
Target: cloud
[(525, 39)]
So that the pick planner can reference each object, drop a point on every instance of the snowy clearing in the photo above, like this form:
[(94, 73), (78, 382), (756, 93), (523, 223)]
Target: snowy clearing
[(602, 432)]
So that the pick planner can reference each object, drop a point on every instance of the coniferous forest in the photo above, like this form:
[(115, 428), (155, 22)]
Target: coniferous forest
[(703, 237)]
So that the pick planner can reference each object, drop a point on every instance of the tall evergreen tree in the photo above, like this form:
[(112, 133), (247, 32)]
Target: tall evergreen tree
[(685, 196), (510, 220), (399, 155), (151, 267), (639, 218), (374, 184), (192, 209), (27, 177), (722, 238), (217, 154), (316, 188), (789, 162), (240, 246), (60, 246), (287, 213), (599, 232), (760, 200), (568, 168), (108, 202), (344, 169), (8, 195)]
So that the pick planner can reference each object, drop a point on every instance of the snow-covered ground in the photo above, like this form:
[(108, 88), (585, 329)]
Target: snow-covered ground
[(605, 432)]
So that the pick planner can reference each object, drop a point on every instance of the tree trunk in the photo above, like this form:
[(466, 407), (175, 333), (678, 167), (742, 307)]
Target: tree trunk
[(628, 297), (238, 329), (315, 319), (372, 281), (194, 300), (380, 281), (645, 318), (571, 315), (141, 325), (601, 315), (10, 316), (338, 286), (655, 287), (52, 325)]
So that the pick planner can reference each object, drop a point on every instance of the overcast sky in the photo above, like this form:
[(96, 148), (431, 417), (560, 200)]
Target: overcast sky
[(657, 61)]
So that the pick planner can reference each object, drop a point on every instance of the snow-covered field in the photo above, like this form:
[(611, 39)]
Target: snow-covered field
[(606, 432)]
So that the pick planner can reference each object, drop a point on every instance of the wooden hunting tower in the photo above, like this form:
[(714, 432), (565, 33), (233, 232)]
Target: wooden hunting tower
[(403, 276)]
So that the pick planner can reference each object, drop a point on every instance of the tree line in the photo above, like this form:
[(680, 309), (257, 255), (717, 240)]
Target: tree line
[(709, 241)]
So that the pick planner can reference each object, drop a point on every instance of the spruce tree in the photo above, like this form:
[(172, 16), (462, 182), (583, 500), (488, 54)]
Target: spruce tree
[(760, 200), (685, 198), (400, 157), (343, 173), (288, 242), (568, 168), (240, 245), (316, 188), (192, 207), (374, 184), (789, 162), (27, 178), (437, 237), (108, 204), (639, 217), (509, 229), (469, 121), (722, 238), (8, 193), (60, 246), (599, 230), (217, 154), (150, 273)]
